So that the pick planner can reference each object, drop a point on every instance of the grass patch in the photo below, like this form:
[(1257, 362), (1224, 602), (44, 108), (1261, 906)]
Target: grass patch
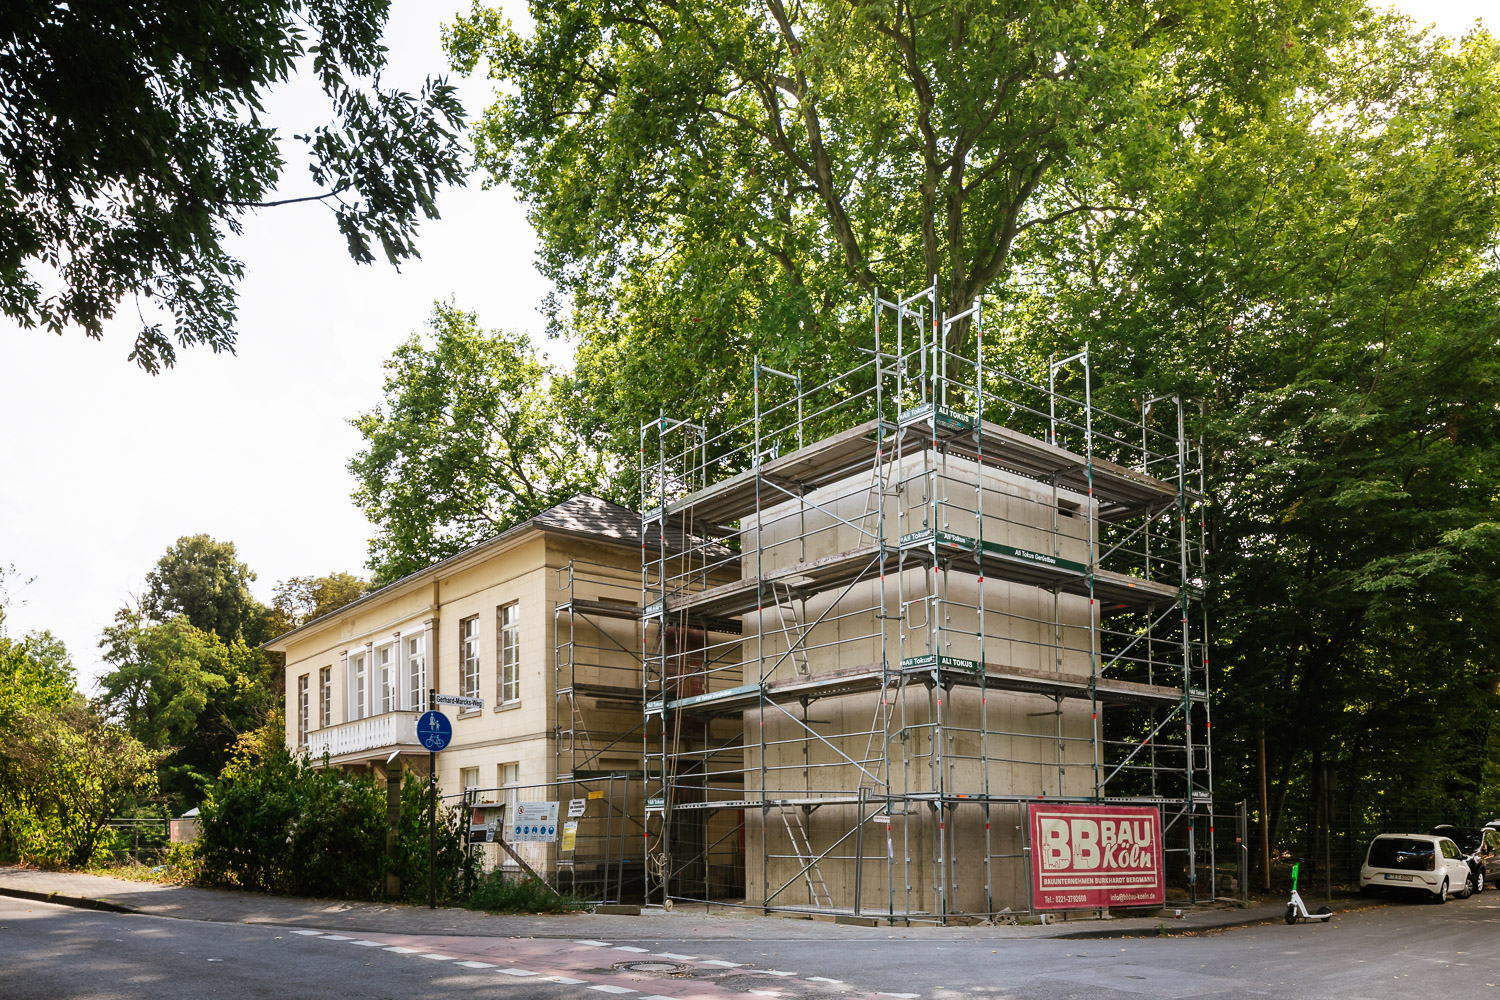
[(497, 893)]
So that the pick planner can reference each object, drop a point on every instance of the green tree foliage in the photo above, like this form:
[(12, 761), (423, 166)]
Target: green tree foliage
[(302, 599), (63, 770), (1324, 281), (185, 691), (203, 580), (473, 438), (132, 144), (275, 823), (719, 180)]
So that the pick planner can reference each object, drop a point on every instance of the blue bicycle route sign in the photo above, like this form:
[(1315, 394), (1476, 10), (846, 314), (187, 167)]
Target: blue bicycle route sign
[(434, 731)]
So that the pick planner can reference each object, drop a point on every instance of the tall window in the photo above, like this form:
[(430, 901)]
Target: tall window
[(302, 709), (416, 671), (510, 778), (385, 670), (509, 673), (468, 651), (325, 697), (469, 779), (357, 674)]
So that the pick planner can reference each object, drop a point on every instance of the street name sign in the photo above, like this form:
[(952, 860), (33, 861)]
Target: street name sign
[(458, 700)]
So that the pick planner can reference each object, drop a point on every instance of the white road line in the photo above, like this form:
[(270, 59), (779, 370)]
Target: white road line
[(516, 972), (679, 958), (477, 965), (338, 937), (594, 944), (309, 933), (658, 996), (723, 964), (774, 972), (366, 944), (401, 951), (438, 958), (824, 979), (901, 996), (626, 947), (766, 993), (607, 988), (562, 979)]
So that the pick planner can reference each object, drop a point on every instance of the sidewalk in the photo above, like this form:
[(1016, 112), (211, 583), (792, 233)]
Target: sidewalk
[(683, 923)]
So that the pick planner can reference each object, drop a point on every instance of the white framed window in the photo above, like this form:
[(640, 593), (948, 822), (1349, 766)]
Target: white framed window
[(416, 672), (468, 780), (303, 709), (468, 651), (385, 669), (508, 674), (510, 791), (359, 702), (325, 697)]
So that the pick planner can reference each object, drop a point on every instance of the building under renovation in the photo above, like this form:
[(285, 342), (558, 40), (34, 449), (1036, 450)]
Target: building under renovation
[(885, 613)]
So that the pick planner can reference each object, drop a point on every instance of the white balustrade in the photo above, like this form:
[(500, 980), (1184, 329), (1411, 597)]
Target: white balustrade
[(377, 732)]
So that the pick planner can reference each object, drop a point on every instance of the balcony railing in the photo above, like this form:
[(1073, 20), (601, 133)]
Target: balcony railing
[(378, 732)]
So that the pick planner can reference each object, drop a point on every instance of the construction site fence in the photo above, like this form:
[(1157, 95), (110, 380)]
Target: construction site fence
[(604, 862)]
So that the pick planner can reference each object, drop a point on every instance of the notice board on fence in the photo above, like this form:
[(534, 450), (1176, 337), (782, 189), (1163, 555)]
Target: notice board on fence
[(1089, 856)]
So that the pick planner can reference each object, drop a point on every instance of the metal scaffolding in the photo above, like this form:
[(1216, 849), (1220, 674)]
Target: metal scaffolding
[(888, 610)]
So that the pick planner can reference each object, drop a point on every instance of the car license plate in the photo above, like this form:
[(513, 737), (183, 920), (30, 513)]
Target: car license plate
[(1397, 878)]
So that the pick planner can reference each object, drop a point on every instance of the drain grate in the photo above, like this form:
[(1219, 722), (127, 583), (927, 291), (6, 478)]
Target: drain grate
[(654, 967)]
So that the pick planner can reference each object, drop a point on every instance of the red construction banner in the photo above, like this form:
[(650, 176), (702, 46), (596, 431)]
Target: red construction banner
[(1088, 856)]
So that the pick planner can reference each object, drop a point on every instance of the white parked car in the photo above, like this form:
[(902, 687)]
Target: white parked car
[(1416, 862)]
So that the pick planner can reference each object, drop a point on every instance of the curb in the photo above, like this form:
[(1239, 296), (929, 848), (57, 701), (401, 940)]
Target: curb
[(63, 899), (1160, 930)]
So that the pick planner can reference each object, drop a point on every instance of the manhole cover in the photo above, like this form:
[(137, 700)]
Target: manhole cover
[(654, 967)]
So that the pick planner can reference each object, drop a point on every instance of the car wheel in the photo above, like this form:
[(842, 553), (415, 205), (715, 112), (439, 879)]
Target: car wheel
[(1479, 881), (1468, 889), (1441, 896), (1291, 914)]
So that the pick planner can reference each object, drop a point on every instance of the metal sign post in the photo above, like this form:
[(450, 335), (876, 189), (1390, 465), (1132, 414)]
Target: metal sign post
[(434, 732)]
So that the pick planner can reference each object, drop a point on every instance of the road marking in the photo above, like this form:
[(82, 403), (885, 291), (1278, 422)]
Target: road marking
[(726, 965), (438, 958), (901, 996), (607, 988), (339, 937), (766, 993), (309, 933), (366, 944), (658, 996), (562, 979), (679, 958), (774, 972), (626, 947), (594, 944), (401, 951), (824, 979), (477, 965), (516, 972)]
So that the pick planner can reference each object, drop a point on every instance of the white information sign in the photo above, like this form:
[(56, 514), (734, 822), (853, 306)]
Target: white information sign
[(533, 823), (576, 807)]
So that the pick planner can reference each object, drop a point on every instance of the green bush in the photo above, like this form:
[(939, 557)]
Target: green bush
[(275, 823), (500, 892), (455, 872)]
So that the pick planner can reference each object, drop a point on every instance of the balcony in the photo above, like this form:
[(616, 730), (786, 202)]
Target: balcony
[(366, 739)]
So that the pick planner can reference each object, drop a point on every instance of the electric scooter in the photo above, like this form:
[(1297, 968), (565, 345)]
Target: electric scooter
[(1296, 909)]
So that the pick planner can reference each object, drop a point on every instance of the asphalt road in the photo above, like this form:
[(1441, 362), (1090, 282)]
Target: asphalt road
[(1401, 950)]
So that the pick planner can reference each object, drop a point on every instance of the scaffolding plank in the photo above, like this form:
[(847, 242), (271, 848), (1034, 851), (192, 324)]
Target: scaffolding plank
[(1122, 492), (871, 677), (600, 609)]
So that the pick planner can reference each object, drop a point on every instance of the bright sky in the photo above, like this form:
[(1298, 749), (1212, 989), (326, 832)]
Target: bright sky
[(102, 467)]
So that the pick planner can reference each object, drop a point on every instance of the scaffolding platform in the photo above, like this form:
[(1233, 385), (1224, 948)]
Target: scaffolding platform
[(951, 671), (1122, 492)]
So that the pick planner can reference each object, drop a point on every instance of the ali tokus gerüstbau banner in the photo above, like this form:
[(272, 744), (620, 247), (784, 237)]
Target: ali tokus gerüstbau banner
[(1088, 856)]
